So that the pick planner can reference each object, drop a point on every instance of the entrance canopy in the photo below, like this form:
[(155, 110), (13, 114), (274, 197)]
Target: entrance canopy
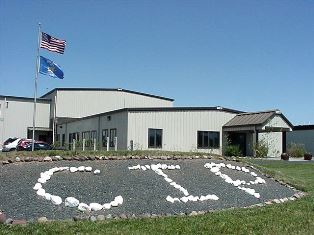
[(272, 120)]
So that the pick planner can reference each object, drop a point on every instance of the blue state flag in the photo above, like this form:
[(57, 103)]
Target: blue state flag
[(47, 67)]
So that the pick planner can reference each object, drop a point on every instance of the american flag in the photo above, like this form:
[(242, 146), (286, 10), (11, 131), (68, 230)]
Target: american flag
[(52, 44)]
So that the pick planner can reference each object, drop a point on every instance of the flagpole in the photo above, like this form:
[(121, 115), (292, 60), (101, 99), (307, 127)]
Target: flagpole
[(35, 90)]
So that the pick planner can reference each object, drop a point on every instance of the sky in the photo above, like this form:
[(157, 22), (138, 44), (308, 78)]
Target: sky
[(248, 55)]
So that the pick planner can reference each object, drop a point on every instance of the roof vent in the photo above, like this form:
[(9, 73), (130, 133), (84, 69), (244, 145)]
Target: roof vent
[(278, 111), (219, 107)]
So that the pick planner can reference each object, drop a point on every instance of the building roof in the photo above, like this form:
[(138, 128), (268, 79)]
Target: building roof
[(107, 89), (254, 119), (303, 127), (160, 109), (24, 98)]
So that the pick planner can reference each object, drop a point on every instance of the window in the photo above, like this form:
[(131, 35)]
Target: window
[(63, 139), (113, 134), (71, 138), (208, 139), (104, 137), (57, 137), (86, 136), (93, 135), (77, 136), (154, 138)]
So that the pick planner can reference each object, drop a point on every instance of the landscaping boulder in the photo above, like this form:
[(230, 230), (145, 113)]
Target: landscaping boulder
[(47, 159), (3, 218)]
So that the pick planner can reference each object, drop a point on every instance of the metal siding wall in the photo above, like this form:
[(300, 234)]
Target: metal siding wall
[(19, 116), (274, 141), (277, 121), (85, 103), (118, 121), (90, 124), (305, 137), (179, 128)]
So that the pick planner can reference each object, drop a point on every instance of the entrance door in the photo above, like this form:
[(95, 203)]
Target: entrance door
[(240, 140)]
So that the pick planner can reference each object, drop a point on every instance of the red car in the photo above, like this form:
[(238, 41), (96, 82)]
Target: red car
[(22, 144)]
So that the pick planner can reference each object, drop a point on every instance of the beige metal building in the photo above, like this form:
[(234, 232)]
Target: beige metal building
[(16, 118), (64, 104), (138, 121), (181, 129)]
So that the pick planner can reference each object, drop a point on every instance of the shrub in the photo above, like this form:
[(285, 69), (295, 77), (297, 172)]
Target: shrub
[(296, 150), (261, 149), (233, 150)]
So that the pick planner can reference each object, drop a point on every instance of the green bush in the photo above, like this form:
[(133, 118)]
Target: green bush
[(261, 149), (296, 150), (233, 150)]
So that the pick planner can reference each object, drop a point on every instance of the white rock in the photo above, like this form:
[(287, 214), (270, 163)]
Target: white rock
[(56, 200), (168, 180), (96, 172), (95, 206), (147, 166), (88, 169), (207, 165), (190, 197), (164, 166), (222, 164), (83, 207), (143, 168), (41, 192), (211, 197), (203, 198), (177, 167), (257, 195), (71, 202), (238, 168), (42, 180), (119, 199), (47, 196), (176, 199), (37, 186), (185, 192), (184, 199), (81, 168), (253, 173), (106, 206), (170, 199), (114, 203), (194, 199), (73, 169), (215, 169)]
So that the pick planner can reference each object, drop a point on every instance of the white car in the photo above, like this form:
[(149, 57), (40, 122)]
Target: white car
[(10, 146)]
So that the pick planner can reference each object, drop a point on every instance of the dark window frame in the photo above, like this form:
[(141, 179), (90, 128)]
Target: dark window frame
[(208, 139), (112, 135), (104, 135), (155, 138)]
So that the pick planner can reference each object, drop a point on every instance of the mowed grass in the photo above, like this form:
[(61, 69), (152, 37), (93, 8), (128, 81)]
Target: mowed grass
[(296, 217)]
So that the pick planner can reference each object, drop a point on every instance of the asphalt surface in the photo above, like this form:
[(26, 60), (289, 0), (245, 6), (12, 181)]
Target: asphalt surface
[(143, 191)]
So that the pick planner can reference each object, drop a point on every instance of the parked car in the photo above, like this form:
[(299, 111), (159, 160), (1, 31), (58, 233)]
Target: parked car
[(38, 145), (22, 144), (11, 146), (10, 140)]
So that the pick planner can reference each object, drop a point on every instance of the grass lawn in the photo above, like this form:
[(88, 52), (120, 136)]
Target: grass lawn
[(295, 217)]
